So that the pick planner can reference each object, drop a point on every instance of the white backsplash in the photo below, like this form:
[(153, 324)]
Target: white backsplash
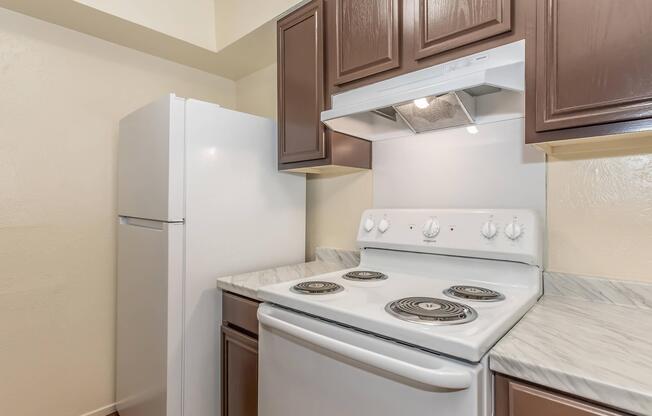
[(456, 169)]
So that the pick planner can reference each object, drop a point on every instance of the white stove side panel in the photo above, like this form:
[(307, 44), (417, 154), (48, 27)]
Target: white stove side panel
[(456, 169)]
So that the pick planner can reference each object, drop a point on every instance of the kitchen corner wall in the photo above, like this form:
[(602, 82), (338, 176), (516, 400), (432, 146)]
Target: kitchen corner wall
[(256, 93), (236, 18), (191, 21), (62, 94), (333, 209)]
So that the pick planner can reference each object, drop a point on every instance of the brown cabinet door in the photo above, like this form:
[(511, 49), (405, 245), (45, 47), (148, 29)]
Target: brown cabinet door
[(442, 25), (593, 62), (519, 399), (239, 374), (366, 38), (301, 84)]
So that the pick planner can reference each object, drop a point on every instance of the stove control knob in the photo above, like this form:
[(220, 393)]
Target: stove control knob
[(489, 230), (513, 230), (431, 228), (369, 224), (383, 225)]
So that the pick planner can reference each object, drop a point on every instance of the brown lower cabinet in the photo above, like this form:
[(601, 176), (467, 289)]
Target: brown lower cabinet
[(517, 398), (239, 356)]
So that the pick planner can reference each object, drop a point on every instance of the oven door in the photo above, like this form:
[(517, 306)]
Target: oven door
[(309, 367)]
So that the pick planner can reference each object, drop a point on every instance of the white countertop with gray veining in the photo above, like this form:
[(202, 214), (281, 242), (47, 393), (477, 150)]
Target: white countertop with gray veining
[(328, 260), (585, 344)]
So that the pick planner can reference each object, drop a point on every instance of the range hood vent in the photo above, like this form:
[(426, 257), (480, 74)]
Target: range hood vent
[(481, 88), (435, 113)]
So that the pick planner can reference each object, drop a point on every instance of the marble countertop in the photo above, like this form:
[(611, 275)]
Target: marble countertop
[(584, 344), (327, 260)]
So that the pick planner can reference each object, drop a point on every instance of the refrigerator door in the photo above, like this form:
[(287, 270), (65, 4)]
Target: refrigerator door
[(242, 214), (149, 318), (150, 161)]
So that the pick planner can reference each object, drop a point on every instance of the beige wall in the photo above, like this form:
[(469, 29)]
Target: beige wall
[(236, 18), (256, 93), (334, 207), (62, 96), (600, 215), (192, 21)]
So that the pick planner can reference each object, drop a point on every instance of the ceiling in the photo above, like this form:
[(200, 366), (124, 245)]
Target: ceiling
[(248, 54)]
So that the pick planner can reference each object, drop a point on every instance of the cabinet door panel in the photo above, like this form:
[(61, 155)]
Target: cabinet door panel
[(518, 399), (527, 401), (594, 64), (367, 38), (239, 374), (300, 85), (442, 25)]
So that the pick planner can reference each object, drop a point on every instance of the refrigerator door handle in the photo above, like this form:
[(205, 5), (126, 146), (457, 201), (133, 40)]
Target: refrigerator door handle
[(139, 222)]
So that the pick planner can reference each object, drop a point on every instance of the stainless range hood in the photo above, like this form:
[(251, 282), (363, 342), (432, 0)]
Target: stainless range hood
[(481, 88)]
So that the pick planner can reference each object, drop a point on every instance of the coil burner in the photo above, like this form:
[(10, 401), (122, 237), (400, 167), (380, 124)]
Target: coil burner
[(432, 311), (364, 276), (474, 293), (316, 288)]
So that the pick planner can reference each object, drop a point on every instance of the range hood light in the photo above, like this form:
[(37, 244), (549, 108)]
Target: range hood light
[(421, 103), (454, 109), (472, 129)]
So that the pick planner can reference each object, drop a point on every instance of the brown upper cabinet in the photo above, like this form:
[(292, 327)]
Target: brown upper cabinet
[(591, 71), (372, 40), (304, 144), (300, 85), (366, 38), (442, 25)]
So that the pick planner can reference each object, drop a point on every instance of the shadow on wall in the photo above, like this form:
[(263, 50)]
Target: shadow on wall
[(334, 206)]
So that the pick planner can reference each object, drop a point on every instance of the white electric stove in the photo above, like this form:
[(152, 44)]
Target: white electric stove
[(409, 329)]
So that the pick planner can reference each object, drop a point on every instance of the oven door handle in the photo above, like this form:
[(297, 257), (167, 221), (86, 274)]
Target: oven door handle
[(443, 377)]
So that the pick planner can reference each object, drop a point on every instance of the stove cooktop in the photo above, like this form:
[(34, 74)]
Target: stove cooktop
[(462, 328), (449, 281)]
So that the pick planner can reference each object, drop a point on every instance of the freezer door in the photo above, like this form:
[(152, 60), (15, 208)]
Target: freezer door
[(149, 318), (151, 161)]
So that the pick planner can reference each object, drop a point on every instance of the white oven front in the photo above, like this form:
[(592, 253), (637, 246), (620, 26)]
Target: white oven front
[(309, 367)]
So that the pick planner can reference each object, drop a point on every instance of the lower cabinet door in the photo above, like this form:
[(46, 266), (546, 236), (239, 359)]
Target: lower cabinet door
[(239, 374), (514, 398)]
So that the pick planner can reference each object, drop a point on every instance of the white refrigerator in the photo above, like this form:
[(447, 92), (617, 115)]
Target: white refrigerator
[(199, 196)]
